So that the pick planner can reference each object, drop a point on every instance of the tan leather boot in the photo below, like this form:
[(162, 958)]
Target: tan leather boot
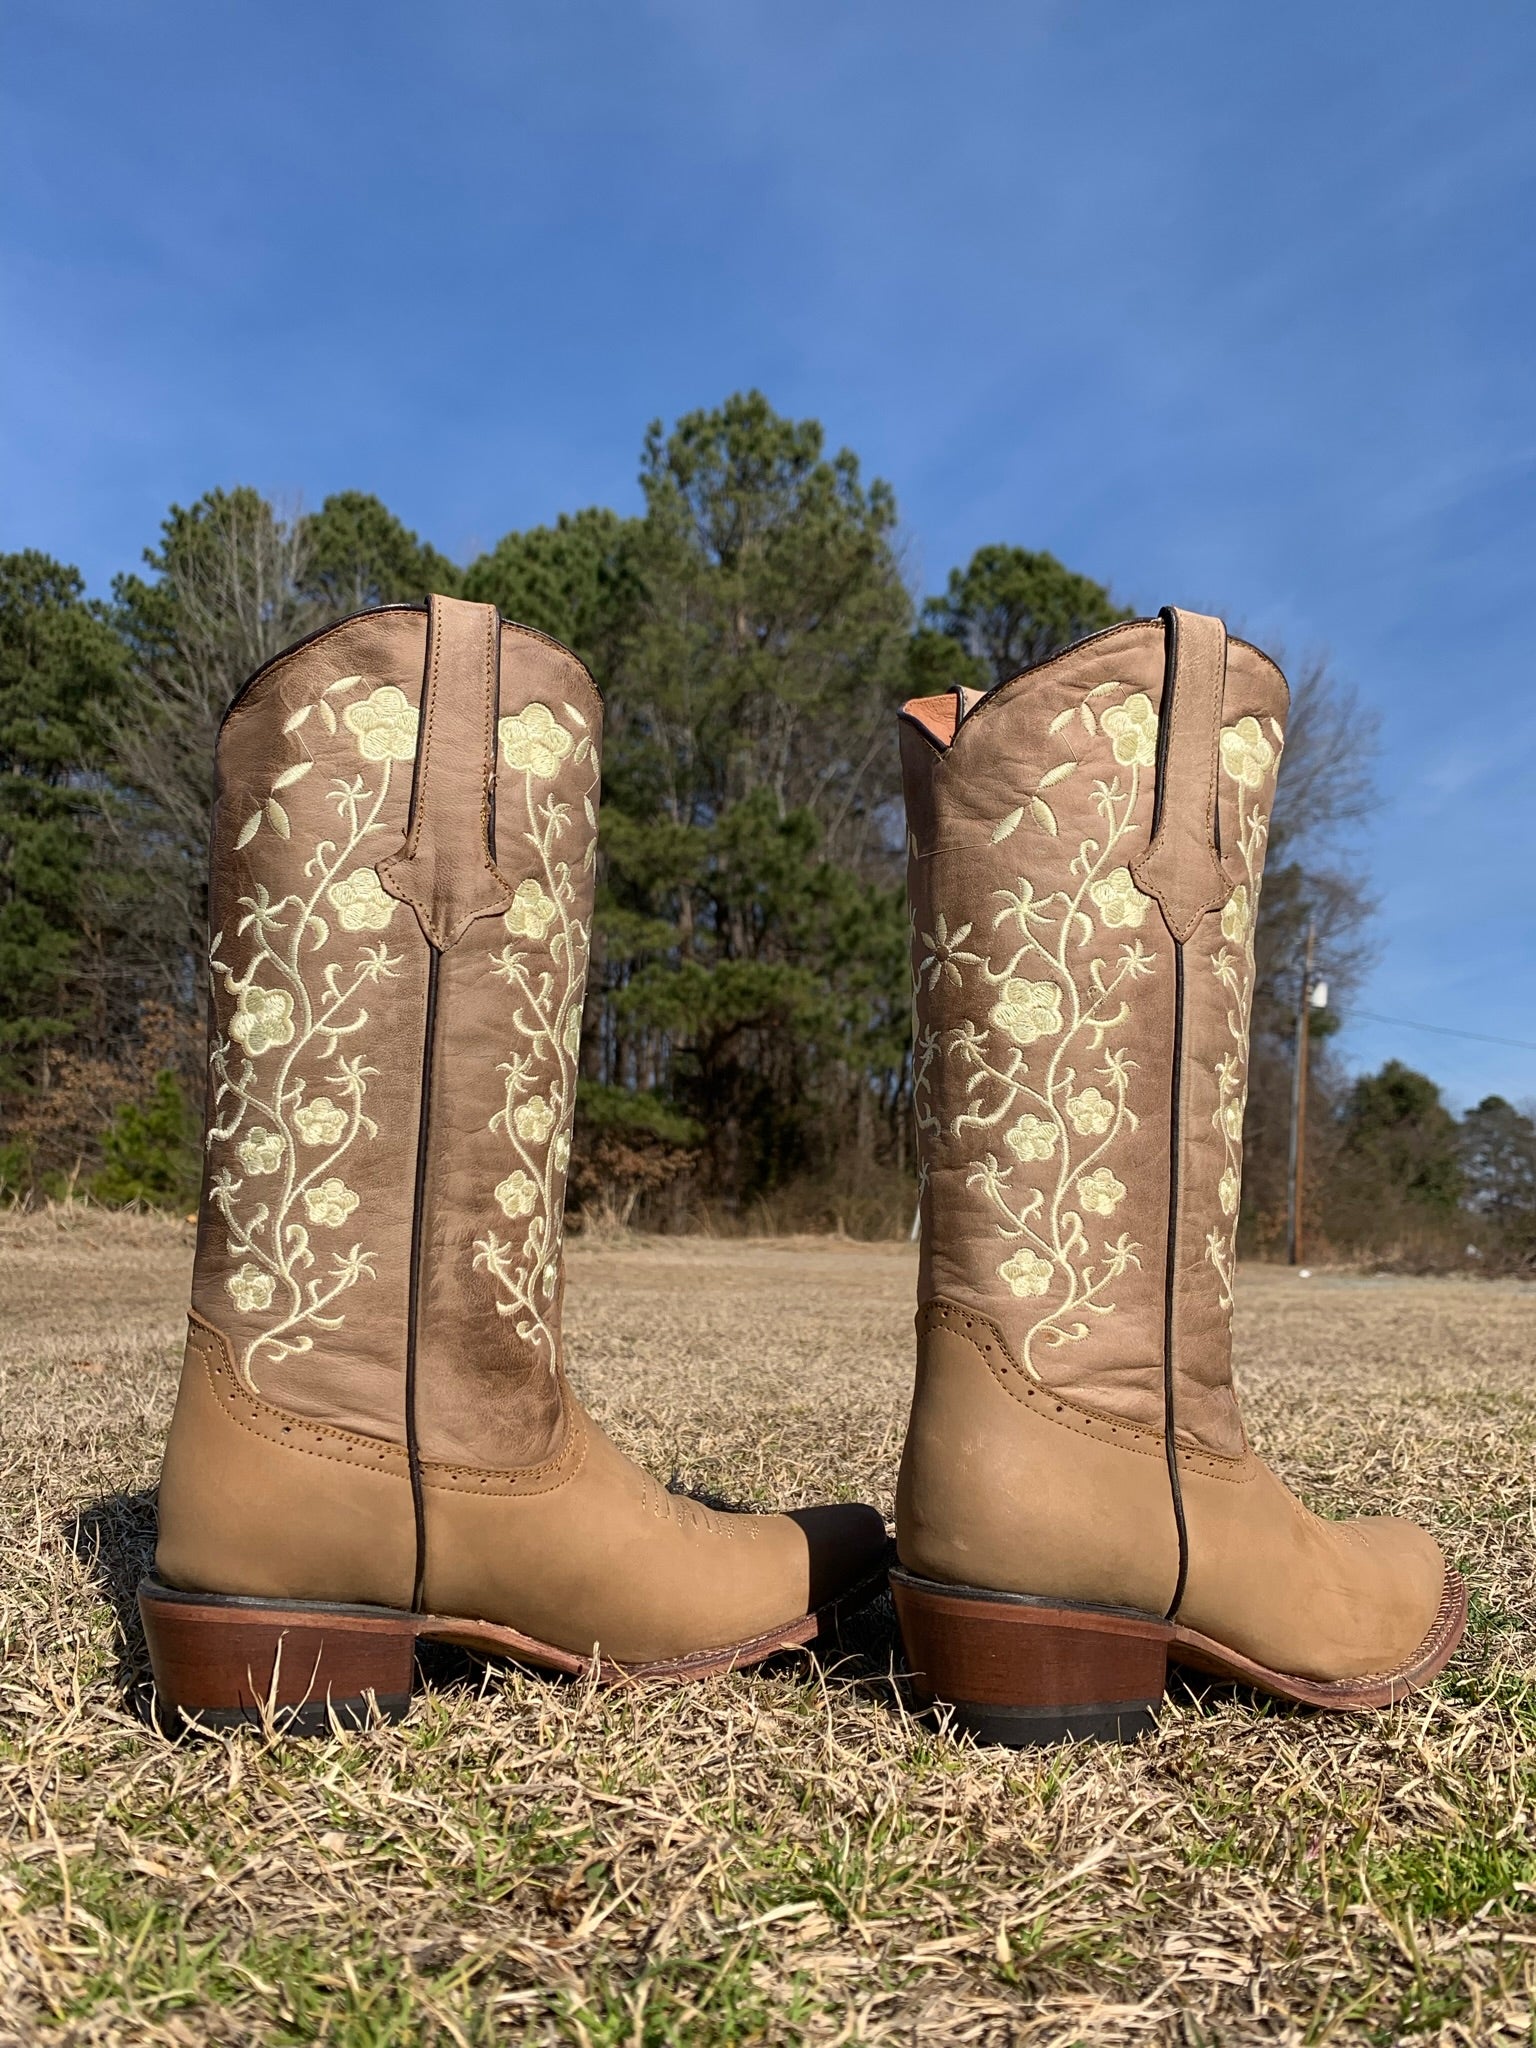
[(374, 1439), (1078, 1502)]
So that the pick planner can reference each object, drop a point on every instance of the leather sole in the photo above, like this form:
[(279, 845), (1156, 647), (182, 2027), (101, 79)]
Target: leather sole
[(306, 1666), (1017, 1670)]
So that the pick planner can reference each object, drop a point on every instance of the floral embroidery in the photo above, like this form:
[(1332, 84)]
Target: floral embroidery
[(1132, 727), (945, 953), (1027, 1273), (533, 1119), (262, 1150), (1031, 1138), (530, 913), (544, 968), (517, 1194), (1101, 1192), (330, 1203), (1247, 757), (361, 902), (251, 1288), (1065, 1107), (1090, 1114), (1234, 918), (1029, 1010), (319, 1122), (1120, 902), (535, 741), (263, 1019), (385, 725), (1245, 753), (295, 1019)]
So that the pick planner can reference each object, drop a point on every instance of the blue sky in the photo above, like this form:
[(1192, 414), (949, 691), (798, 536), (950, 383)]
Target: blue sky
[(1230, 307)]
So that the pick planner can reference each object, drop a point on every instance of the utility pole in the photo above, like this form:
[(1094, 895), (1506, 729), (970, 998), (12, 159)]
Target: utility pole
[(1311, 995)]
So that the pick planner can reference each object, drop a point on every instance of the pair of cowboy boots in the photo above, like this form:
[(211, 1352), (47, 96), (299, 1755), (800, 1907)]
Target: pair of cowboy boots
[(374, 1440)]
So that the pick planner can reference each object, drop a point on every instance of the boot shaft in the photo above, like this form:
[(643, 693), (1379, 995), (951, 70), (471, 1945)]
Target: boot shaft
[(400, 892), (1086, 845)]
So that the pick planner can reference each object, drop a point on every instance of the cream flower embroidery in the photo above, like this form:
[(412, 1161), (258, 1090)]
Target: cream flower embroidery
[(1101, 1192), (251, 1289), (332, 1202), (1120, 902), (1231, 1114), (320, 1122), (1090, 1114), (361, 902), (517, 1194), (1026, 1273), (530, 913), (1234, 918), (1227, 1189), (535, 741), (533, 1119), (1245, 753), (1132, 728), (384, 725), (262, 1150), (1031, 1138), (263, 1019), (1028, 1010)]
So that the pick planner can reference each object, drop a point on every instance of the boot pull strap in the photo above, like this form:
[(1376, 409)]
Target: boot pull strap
[(1182, 865), (446, 870)]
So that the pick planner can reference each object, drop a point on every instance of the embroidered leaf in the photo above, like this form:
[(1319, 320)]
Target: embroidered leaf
[(586, 805), (342, 683), (327, 716), (1043, 815), (292, 775), (1090, 725), (296, 718), (1063, 718), (317, 924), (1058, 774), (1274, 726), (1006, 828), (1102, 689), (574, 716), (277, 818), (249, 830)]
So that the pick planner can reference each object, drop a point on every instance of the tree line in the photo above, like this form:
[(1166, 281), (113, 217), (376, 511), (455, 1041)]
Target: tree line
[(746, 1038)]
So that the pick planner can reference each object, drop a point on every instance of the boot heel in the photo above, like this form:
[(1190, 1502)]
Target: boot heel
[(1014, 1670), (299, 1667)]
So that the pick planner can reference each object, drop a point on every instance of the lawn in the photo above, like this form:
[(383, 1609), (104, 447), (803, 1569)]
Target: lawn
[(786, 1855)]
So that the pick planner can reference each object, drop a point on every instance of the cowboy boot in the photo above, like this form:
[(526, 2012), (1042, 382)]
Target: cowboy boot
[(1078, 1502), (374, 1440)]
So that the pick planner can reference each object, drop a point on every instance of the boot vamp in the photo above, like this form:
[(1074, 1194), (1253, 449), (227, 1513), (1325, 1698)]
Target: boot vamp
[(597, 1554), (1319, 1599)]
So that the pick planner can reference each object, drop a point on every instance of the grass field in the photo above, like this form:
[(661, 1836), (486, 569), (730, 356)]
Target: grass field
[(783, 1856)]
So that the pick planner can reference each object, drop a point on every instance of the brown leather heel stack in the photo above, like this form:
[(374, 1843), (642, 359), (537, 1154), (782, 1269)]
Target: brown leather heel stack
[(1078, 1502)]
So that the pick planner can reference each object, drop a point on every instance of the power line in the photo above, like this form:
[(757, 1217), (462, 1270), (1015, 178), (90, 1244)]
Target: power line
[(1440, 1030)]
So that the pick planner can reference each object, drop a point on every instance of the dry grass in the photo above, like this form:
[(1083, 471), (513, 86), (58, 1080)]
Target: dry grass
[(782, 1857)]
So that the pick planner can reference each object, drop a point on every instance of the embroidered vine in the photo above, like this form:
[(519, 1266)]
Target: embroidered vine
[(1247, 759), (292, 1010), (1058, 1117), (545, 967)]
